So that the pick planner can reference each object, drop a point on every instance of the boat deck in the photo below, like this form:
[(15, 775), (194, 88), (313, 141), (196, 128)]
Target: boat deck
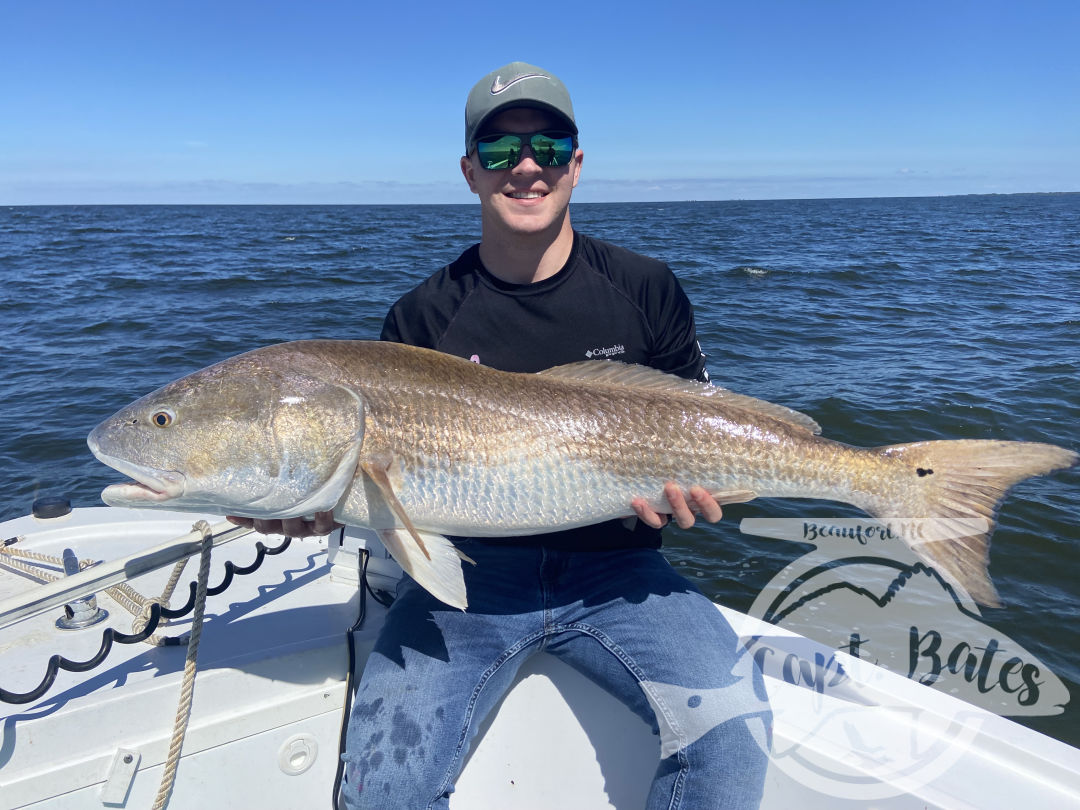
[(270, 691)]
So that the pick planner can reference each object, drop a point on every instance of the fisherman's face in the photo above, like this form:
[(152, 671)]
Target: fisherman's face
[(526, 198)]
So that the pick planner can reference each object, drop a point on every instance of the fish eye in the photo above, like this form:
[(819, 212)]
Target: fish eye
[(162, 419)]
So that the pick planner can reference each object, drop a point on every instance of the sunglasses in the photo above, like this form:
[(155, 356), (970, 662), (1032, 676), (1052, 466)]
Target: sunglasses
[(504, 150)]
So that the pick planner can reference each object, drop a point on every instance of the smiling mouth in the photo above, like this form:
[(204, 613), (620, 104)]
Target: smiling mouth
[(527, 195)]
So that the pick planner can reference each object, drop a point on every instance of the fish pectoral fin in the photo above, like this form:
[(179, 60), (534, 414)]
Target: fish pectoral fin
[(734, 496), (437, 569), (377, 472)]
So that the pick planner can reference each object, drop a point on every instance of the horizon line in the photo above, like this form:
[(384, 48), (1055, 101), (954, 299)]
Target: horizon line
[(572, 202)]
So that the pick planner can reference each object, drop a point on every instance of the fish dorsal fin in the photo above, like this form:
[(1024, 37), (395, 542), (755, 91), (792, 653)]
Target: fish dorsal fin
[(616, 373)]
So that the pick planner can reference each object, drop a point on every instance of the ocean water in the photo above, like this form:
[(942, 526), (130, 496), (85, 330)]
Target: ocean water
[(886, 320)]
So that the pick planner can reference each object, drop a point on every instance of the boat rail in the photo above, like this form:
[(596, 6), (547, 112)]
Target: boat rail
[(106, 574)]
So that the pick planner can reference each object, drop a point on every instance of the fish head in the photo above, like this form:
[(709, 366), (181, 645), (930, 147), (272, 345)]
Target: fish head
[(243, 437)]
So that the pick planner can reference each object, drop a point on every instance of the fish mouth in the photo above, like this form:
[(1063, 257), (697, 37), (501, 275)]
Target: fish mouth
[(149, 486), (134, 493)]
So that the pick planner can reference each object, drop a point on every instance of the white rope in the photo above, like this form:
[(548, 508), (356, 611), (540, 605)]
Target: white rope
[(143, 617), (122, 593), (187, 688), (174, 580), (8, 555)]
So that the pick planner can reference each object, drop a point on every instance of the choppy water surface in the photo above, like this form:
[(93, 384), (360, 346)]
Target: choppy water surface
[(886, 320)]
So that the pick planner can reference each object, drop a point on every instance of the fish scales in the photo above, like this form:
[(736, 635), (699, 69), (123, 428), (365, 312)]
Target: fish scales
[(522, 446)]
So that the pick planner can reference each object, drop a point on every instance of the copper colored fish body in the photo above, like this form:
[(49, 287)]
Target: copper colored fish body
[(416, 444)]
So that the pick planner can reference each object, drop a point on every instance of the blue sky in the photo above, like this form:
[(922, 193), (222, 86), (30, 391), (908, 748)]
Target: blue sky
[(360, 102)]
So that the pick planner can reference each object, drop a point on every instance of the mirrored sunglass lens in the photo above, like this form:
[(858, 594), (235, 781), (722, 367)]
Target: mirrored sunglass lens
[(552, 149), (502, 152)]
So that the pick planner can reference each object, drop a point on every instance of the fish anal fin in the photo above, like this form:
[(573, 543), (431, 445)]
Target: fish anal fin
[(661, 505), (437, 569), (734, 496), (612, 372)]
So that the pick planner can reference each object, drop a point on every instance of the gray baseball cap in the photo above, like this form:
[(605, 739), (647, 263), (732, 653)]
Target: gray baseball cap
[(515, 85)]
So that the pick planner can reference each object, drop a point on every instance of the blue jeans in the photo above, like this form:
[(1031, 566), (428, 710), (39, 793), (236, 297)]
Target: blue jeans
[(625, 619)]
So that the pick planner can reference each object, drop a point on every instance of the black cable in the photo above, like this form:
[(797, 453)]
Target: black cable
[(351, 643), (157, 612), (261, 553), (59, 662)]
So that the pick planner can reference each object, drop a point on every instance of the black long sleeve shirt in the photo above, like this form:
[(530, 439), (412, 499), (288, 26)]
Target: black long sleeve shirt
[(605, 303)]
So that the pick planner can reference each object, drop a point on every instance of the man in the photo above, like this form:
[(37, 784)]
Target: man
[(535, 294)]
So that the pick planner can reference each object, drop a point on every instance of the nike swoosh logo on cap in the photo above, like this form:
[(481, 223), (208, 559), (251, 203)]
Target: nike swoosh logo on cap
[(497, 86)]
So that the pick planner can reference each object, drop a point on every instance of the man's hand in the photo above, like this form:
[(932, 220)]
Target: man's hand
[(700, 502), (290, 527)]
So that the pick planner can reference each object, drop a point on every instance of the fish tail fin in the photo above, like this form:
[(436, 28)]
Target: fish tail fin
[(954, 489), (435, 563)]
